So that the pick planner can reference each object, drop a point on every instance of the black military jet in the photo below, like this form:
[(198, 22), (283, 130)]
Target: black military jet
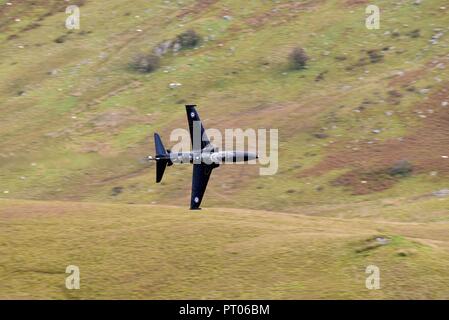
[(204, 156)]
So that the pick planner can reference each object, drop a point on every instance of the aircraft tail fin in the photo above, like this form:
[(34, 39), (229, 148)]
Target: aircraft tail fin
[(160, 149), (162, 158)]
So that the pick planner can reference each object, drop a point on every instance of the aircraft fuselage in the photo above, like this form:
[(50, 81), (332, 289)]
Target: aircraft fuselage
[(206, 157)]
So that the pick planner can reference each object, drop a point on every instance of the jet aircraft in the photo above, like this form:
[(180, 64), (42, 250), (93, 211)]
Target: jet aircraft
[(204, 156)]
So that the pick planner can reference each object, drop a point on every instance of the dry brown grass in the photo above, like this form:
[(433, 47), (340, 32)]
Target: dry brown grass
[(157, 252)]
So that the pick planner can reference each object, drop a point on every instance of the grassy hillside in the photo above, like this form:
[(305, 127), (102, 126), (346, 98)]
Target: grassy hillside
[(363, 150), (76, 120), (157, 252)]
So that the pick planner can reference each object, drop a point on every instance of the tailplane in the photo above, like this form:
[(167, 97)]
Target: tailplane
[(162, 158)]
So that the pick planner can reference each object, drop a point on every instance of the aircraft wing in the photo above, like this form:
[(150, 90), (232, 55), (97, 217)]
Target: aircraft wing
[(200, 178), (195, 122)]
